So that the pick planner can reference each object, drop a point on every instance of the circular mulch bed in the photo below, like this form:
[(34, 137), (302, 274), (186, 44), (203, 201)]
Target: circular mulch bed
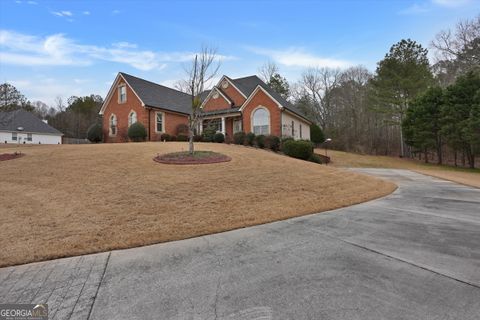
[(199, 157), (10, 156)]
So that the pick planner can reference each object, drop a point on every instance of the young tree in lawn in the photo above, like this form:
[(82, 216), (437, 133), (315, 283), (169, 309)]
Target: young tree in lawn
[(423, 121), (461, 115), (203, 69), (400, 77)]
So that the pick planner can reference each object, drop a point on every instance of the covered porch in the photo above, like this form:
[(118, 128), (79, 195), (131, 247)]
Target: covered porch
[(227, 122)]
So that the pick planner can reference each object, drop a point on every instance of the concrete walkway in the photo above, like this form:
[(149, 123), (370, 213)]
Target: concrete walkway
[(412, 255)]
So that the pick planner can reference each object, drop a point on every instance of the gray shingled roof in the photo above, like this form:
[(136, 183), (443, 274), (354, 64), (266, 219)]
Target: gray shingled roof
[(248, 84), (158, 96), (10, 121)]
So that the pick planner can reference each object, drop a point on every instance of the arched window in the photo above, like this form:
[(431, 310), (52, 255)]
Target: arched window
[(132, 118), (113, 125), (261, 121)]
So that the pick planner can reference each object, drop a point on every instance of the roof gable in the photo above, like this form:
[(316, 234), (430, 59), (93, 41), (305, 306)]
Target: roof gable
[(153, 95), (12, 120)]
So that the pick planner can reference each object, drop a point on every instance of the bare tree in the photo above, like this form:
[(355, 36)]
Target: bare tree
[(267, 71), (317, 84), (202, 70), (457, 51), (59, 104)]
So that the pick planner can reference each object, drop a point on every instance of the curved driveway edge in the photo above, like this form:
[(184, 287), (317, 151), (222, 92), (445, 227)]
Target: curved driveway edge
[(411, 255)]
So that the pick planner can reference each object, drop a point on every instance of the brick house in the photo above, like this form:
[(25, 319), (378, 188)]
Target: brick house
[(244, 104)]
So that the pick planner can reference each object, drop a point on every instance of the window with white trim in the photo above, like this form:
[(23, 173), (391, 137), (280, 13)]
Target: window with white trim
[(14, 136), (300, 130), (132, 118), (113, 125), (293, 128), (159, 122), (122, 94), (29, 137), (261, 121)]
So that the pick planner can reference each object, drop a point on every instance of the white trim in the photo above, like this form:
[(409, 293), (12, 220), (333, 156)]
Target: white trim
[(259, 87), (163, 121), (231, 82), (112, 90), (33, 132), (110, 127), (129, 114), (210, 95), (269, 118), (297, 116)]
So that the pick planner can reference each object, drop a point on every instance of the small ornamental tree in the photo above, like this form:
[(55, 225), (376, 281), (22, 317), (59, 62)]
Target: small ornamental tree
[(95, 133), (137, 132), (316, 134)]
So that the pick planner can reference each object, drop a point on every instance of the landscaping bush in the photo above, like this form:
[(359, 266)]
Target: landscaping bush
[(300, 149), (285, 139), (197, 138), (165, 137), (239, 137), (208, 135), (272, 142), (315, 158), (182, 137), (137, 132), (249, 138), (260, 141), (316, 134), (95, 133), (219, 137), (182, 130), (173, 138)]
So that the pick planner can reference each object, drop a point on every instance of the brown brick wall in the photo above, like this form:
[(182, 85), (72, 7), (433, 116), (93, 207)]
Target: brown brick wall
[(216, 104), (261, 99), (234, 95), (122, 110)]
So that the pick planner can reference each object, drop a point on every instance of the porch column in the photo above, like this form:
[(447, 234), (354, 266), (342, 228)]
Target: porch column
[(223, 125)]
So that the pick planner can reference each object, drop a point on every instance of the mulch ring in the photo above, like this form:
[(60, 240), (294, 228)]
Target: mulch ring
[(199, 157), (10, 156)]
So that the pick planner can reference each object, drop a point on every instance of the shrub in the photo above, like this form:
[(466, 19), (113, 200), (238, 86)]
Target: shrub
[(260, 141), (197, 138), (272, 142), (137, 132), (165, 137), (249, 138), (173, 138), (315, 158), (182, 137), (95, 133), (219, 137), (316, 134), (239, 137), (182, 130), (285, 139), (208, 135), (300, 149)]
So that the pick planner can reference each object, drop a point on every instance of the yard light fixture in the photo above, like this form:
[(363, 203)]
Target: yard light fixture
[(326, 146)]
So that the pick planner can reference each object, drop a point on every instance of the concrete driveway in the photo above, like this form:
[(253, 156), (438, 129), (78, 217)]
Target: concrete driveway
[(412, 255)]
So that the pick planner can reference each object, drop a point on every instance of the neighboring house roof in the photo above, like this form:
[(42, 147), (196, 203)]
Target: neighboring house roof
[(158, 96), (12, 120), (248, 84)]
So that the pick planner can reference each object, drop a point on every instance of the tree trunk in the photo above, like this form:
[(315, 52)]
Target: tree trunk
[(426, 155), (439, 153)]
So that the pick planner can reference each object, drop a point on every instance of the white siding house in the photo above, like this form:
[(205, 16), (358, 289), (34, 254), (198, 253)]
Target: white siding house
[(23, 127), (295, 127)]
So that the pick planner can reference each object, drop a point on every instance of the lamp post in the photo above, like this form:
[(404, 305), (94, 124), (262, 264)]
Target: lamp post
[(326, 145), (19, 129)]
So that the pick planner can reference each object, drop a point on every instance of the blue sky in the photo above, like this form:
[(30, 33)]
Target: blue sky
[(51, 48)]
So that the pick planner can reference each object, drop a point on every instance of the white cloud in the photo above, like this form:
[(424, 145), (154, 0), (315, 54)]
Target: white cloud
[(32, 2), (57, 49), (87, 13), (63, 13), (451, 3), (114, 12), (298, 57)]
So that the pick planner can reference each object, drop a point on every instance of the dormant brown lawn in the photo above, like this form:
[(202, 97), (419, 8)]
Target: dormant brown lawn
[(66, 200), (460, 175)]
